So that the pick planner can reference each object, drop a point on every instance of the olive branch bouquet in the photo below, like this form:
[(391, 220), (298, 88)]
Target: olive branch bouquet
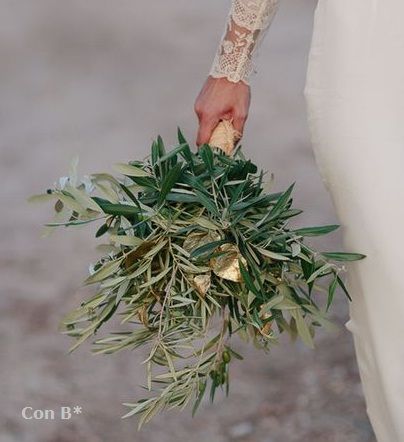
[(197, 252)]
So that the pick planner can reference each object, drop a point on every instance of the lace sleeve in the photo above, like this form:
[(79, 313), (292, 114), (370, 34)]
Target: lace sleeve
[(248, 20)]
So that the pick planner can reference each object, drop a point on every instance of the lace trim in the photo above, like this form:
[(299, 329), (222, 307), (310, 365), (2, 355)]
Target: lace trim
[(253, 14), (248, 20)]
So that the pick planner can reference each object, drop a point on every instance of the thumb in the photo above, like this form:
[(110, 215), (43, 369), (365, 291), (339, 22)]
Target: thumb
[(238, 124), (205, 130)]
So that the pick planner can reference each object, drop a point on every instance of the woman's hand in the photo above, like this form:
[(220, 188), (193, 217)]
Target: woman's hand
[(221, 99)]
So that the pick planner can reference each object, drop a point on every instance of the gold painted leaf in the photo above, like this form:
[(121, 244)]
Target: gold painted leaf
[(226, 265), (202, 283), (268, 325), (143, 316)]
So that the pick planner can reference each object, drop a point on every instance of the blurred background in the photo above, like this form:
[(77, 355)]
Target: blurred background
[(100, 79)]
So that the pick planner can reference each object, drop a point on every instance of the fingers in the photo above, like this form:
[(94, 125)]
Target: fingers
[(221, 99), (206, 126), (239, 120)]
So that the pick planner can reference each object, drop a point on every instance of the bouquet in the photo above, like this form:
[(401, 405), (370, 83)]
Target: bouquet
[(197, 252)]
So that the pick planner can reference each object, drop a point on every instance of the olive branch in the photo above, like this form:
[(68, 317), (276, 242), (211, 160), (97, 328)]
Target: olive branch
[(194, 242)]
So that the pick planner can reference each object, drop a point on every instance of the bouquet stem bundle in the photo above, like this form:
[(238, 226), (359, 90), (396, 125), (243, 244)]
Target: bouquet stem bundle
[(194, 242)]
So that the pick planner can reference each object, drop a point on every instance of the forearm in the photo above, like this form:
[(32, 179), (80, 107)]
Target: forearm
[(247, 23)]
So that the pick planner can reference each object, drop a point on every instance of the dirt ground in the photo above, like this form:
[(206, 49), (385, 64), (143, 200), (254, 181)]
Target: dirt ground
[(100, 79)]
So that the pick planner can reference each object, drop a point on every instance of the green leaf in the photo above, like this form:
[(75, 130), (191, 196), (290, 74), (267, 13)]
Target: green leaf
[(138, 407), (341, 256), (286, 304), (129, 170), (331, 292), (202, 388), (307, 268), (72, 203), (193, 182), (302, 328), (207, 202), (148, 183), (156, 248), (247, 278), (315, 231), (181, 197), (342, 285), (116, 209), (156, 279), (278, 207), (258, 201), (186, 153), (155, 153), (107, 191), (82, 338), (126, 240), (105, 271), (319, 272), (169, 181), (206, 223), (290, 213), (321, 318), (209, 247), (174, 152), (235, 194), (205, 152), (272, 255), (103, 229), (266, 308), (75, 222), (82, 198), (180, 136), (160, 144)]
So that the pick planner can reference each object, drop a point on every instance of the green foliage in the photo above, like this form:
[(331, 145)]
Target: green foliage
[(194, 243)]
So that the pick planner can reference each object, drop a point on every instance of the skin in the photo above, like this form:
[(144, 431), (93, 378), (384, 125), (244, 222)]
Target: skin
[(221, 99)]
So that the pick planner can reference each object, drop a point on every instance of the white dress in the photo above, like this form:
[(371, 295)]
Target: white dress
[(355, 107)]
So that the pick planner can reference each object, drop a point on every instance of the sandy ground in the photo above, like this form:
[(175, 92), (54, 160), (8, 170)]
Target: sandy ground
[(100, 79)]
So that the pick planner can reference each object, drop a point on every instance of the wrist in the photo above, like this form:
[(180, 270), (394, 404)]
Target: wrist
[(229, 78)]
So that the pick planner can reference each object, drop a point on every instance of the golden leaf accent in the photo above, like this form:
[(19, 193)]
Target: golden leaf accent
[(143, 316), (226, 265), (202, 283), (267, 327)]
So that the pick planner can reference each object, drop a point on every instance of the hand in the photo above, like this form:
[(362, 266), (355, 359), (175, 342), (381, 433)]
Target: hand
[(221, 99)]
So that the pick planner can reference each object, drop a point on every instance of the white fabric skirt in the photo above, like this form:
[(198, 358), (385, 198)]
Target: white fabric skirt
[(355, 103)]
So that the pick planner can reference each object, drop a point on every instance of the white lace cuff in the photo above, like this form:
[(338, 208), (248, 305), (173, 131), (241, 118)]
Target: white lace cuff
[(247, 22)]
